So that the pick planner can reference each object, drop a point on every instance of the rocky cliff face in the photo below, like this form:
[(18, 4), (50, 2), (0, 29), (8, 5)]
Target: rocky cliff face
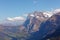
[(34, 20), (42, 28)]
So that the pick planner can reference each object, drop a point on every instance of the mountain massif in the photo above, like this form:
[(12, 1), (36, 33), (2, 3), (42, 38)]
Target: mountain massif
[(37, 26)]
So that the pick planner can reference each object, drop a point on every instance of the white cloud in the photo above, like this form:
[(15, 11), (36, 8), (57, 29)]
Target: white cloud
[(10, 19), (16, 18)]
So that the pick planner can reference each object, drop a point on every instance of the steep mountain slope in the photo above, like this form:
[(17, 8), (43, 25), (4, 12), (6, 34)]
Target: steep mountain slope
[(54, 23), (34, 20), (48, 29)]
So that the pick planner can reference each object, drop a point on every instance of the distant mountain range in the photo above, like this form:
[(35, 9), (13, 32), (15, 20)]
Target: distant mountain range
[(37, 26)]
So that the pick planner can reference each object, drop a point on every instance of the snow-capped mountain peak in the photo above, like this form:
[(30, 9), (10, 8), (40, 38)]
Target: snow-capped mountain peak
[(47, 14), (31, 15), (56, 11)]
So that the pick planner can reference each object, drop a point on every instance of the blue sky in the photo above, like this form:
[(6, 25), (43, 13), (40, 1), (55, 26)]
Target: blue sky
[(13, 8)]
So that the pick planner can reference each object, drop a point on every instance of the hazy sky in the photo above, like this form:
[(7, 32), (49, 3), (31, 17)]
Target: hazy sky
[(13, 8)]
